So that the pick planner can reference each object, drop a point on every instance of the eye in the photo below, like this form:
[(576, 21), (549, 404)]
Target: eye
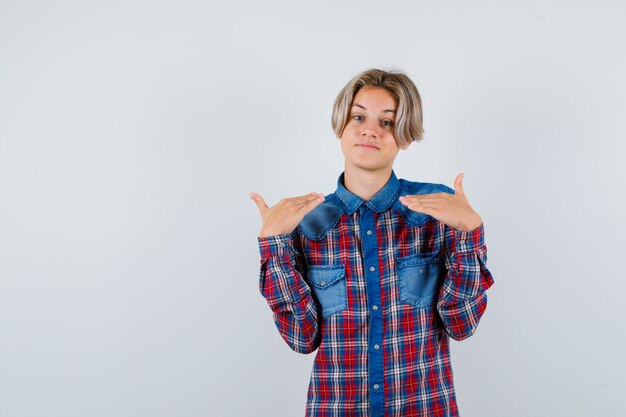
[(387, 123), (357, 117)]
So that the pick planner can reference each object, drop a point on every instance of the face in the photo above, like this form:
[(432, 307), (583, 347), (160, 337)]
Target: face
[(368, 141)]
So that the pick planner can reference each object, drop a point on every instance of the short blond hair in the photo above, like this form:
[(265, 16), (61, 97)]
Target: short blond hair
[(408, 124)]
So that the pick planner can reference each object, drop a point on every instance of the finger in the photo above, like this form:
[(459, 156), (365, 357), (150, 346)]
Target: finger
[(458, 184), (311, 200), (427, 203), (259, 201), (427, 198), (419, 196), (312, 196), (424, 203), (414, 199), (414, 203), (430, 206), (408, 199), (304, 198), (422, 208), (311, 203)]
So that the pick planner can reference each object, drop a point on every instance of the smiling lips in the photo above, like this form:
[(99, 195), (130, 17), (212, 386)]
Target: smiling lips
[(367, 146)]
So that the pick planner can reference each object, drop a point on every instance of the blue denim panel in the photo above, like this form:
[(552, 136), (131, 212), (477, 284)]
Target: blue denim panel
[(329, 286), (322, 218), (420, 278)]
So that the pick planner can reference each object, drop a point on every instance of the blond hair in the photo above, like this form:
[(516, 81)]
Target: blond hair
[(408, 124)]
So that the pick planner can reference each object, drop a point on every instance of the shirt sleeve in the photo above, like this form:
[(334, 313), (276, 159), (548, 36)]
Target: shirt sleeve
[(462, 298), (289, 297)]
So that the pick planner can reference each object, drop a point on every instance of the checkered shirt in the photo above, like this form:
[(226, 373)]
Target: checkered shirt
[(377, 290)]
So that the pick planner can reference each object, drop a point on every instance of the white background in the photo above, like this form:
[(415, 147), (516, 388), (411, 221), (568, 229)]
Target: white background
[(132, 132)]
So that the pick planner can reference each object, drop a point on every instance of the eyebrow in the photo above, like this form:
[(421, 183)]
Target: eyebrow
[(363, 107)]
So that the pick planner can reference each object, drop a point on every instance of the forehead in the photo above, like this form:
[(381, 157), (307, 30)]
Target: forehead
[(374, 98)]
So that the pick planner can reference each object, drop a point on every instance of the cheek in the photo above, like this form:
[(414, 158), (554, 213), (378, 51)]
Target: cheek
[(344, 143), (349, 129), (391, 143), (347, 137)]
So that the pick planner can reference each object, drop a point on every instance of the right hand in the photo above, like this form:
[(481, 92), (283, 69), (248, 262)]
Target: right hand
[(285, 216)]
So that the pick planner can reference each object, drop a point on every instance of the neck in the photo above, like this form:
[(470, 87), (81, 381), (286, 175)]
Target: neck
[(365, 184)]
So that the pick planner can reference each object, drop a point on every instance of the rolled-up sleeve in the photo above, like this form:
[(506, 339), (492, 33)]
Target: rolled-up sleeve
[(462, 298), (282, 284)]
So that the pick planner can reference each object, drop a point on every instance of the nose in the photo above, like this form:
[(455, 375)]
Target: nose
[(371, 129)]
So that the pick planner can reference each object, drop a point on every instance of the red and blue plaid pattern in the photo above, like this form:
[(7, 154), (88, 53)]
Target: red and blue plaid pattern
[(379, 298)]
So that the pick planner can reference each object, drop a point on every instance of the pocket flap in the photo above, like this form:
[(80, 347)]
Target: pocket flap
[(418, 259), (323, 276)]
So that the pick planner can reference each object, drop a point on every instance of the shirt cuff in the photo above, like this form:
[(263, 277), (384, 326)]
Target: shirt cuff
[(470, 240), (276, 246)]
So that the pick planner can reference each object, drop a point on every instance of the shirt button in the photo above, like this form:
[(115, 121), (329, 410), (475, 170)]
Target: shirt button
[(420, 270), (369, 232), (375, 386), (462, 241), (374, 307), (372, 269), (323, 283), (281, 244), (376, 347)]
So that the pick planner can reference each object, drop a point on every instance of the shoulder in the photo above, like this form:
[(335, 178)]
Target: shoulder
[(414, 187), (322, 218), (417, 188), (325, 216)]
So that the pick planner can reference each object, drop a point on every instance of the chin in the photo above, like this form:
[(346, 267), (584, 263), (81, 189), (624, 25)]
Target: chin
[(367, 165)]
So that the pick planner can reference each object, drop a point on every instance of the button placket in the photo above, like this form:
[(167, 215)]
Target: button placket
[(373, 280)]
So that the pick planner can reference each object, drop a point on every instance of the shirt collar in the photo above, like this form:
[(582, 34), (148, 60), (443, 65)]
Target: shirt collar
[(380, 202)]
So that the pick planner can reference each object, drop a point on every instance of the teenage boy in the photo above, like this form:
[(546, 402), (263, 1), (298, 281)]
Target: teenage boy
[(378, 275)]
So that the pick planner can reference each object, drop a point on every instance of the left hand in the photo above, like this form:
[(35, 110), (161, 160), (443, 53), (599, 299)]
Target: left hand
[(451, 209)]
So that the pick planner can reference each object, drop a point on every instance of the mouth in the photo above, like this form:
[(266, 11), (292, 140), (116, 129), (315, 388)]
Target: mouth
[(366, 146)]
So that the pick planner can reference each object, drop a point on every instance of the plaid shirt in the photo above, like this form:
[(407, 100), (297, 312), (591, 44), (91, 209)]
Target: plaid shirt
[(378, 290)]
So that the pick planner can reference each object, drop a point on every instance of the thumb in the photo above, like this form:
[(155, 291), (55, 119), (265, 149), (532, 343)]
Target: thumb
[(458, 184), (259, 201)]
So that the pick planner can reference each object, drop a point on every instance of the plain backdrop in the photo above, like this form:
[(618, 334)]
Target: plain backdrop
[(131, 133)]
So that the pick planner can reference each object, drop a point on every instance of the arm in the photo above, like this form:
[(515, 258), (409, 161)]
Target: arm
[(288, 295), (282, 266), (462, 298)]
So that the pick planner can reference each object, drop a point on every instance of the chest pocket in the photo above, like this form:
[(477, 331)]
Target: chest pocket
[(420, 277), (329, 287)]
